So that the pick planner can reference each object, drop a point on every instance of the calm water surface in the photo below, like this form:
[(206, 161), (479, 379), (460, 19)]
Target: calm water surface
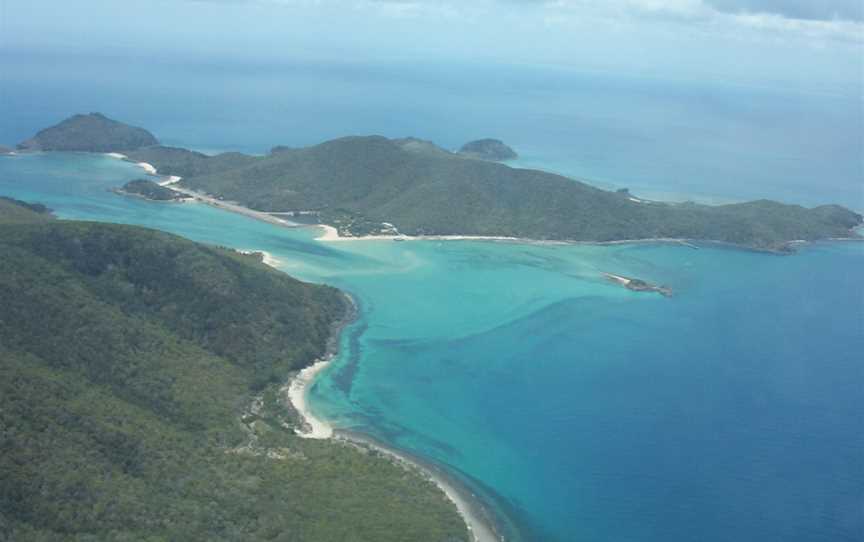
[(732, 411)]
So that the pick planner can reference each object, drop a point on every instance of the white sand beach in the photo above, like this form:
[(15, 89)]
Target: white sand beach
[(116, 155), (331, 234), (147, 167), (624, 281), (169, 180), (234, 207), (269, 259), (315, 427)]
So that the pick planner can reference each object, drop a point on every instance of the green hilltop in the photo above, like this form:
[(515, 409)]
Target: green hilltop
[(362, 185), (358, 183), (89, 133), (140, 398)]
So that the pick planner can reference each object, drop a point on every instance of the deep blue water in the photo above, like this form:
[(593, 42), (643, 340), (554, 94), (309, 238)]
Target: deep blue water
[(732, 411), (662, 138)]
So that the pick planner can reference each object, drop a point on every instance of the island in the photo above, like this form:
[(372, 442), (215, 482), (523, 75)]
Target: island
[(375, 186), (488, 149), (143, 397), (639, 285), (150, 190), (6, 150), (93, 132)]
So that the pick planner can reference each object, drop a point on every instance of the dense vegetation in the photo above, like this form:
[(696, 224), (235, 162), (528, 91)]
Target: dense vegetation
[(488, 149), (150, 190), (17, 211), (129, 360), (357, 183), (186, 163), (361, 185), (89, 133)]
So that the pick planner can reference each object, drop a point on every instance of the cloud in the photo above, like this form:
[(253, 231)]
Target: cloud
[(815, 10), (818, 21), (810, 19)]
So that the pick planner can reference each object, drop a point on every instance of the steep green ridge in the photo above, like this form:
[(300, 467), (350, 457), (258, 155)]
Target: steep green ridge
[(89, 133), (186, 163), (356, 183), (362, 185), (129, 359)]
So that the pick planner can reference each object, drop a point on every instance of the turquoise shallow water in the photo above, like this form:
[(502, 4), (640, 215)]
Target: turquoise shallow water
[(732, 411)]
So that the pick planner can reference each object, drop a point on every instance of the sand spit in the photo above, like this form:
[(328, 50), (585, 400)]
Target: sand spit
[(234, 207)]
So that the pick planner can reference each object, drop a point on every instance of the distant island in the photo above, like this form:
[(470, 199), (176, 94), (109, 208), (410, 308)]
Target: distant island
[(372, 185), (488, 149), (89, 133), (150, 190), (6, 150), (143, 397)]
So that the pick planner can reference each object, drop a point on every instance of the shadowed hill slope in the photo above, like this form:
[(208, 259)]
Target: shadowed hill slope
[(357, 183), (139, 377), (363, 185)]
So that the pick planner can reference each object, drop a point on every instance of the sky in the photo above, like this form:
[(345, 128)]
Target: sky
[(801, 42)]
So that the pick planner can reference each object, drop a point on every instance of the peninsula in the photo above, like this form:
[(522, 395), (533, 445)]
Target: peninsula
[(372, 185), (140, 395)]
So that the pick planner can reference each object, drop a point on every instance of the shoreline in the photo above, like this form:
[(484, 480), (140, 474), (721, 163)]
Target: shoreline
[(267, 258), (479, 520), (233, 207), (331, 234), (172, 180), (297, 389), (476, 517)]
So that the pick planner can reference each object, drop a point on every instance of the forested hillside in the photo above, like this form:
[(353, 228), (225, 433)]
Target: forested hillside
[(130, 361), (357, 183), (368, 185)]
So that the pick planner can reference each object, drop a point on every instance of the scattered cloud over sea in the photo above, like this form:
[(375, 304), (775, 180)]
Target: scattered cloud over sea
[(808, 19)]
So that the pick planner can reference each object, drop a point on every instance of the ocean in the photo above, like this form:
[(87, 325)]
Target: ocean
[(707, 140), (576, 409)]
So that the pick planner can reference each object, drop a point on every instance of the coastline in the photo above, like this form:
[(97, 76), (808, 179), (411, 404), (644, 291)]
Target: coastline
[(233, 207), (296, 389), (331, 234), (477, 518), (267, 257)]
